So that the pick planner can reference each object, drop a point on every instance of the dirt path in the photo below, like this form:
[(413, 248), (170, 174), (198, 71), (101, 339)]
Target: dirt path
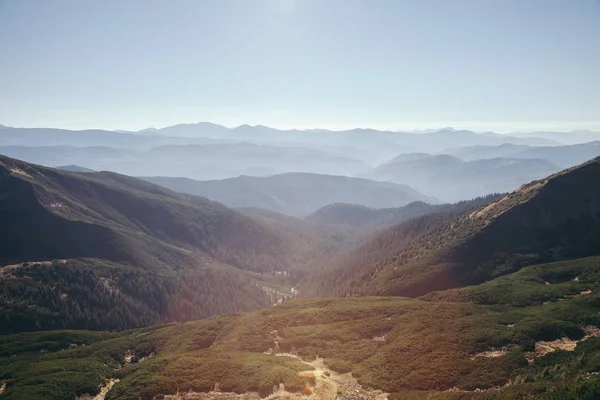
[(330, 385), (542, 348), (322, 384), (103, 391)]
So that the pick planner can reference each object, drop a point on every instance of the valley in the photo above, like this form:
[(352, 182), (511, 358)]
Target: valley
[(112, 287), (300, 200)]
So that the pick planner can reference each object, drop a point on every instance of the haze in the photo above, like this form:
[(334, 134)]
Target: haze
[(338, 64), (300, 199)]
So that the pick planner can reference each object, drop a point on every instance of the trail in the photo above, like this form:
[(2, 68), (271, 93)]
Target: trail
[(330, 385), (321, 384), (103, 391)]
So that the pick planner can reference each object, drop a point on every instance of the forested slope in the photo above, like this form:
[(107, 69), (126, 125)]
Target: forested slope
[(102, 250), (551, 219)]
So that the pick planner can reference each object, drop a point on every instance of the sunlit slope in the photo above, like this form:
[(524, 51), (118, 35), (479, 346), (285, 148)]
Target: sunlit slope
[(551, 219)]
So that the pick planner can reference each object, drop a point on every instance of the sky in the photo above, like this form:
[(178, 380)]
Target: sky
[(502, 65)]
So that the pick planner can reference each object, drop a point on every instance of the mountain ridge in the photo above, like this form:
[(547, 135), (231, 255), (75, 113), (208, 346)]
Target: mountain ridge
[(89, 237), (452, 179), (296, 193), (538, 222)]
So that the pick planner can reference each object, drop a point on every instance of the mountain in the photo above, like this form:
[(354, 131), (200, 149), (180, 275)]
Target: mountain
[(550, 219), (528, 335), (409, 157), (503, 302), (209, 161), (448, 138), (61, 137), (372, 146), (369, 146), (200, 129), (106, 251), (74, 168), (471, 153), (356, 216), (38, 137), (451, 179), (563, 156), (295, 193), (572, 137)]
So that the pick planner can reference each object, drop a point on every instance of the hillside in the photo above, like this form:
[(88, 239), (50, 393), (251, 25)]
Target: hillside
[(296, 194), (73, 245), (198, 159), (74, 168), (451, 179), (539, 339), (352, 215), (551, 219), (471, 153), (563, 156)]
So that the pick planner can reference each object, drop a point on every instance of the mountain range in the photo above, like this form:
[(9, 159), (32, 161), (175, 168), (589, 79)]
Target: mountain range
[(206, 151), (563, 156), (503, 297), (99, 241), (297, 194), (114, 287), (550, 219), (452, 179), (209, 161), (367, 145)]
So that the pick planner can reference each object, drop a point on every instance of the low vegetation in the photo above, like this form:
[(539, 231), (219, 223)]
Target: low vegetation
[(433, 347)]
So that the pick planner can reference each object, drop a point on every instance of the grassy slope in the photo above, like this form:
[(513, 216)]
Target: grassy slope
[(428, 348), (557, 218)]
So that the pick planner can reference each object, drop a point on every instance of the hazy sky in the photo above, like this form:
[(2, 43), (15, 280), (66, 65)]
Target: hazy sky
[(503, 64)]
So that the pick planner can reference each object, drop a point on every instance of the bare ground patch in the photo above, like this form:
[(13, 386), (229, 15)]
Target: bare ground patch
[(542, 348), (492, 353), (103, 391)]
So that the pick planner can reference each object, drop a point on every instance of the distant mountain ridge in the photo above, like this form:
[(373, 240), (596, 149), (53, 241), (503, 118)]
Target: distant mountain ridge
[(452, 179), (74, 168), (196, 161), (364, 217), (368, 145), (563, 156), (296, 194)]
